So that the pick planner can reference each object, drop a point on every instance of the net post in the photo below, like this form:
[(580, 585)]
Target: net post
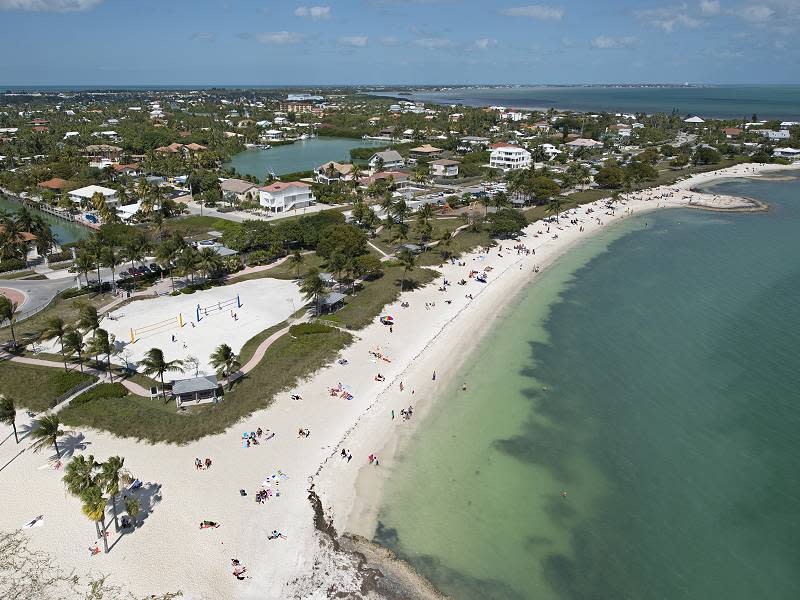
[(180, 319), (133, 340)]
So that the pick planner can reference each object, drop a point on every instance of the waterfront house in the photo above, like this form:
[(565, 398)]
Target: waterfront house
[(444, 168), (238, 190), (84, 195), (282, 196), (391, 159), (272, 135), (56, 184), (184, 149), (509, 158), (397, 179), (788, 153), (332, 171)]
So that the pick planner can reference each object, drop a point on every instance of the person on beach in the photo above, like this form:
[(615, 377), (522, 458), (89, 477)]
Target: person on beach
[(434, 376), (349, 457), (208, 463)]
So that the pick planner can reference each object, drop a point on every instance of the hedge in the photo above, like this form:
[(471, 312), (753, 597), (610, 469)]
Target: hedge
[(309, 329), (103, 391)]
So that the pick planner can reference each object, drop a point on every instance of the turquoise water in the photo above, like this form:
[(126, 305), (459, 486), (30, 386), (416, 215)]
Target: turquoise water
[(729, 102), (304, 155), (64, 231), (652, 376)]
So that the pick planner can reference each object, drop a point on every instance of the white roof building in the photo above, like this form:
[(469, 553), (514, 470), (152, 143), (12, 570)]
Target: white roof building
[(695, 120), (86, 193), (509, 158)]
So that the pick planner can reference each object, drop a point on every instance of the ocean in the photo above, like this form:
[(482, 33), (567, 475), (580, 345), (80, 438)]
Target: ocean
[(722, 101), (650, 376)]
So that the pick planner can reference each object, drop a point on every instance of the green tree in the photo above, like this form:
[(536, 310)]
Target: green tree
[(296, 260), (7, 310), (8, 413), (313, 287), (94, 507), (225, 362), (154, 364), (132, 507), (47, 432), (209, 262), (111, 475), (407, 259), (74, 345), (367, 266), (56, 328), (79, 475), (610, 176), (102, 343)]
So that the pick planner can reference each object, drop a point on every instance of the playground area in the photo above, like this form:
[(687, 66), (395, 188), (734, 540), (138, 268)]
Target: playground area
[(230, 314)]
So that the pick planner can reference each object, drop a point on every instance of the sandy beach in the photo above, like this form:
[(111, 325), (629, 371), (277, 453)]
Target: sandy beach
[(169, 552)]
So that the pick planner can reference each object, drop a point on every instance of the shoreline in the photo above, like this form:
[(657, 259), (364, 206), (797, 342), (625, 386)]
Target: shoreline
[(167, 545)]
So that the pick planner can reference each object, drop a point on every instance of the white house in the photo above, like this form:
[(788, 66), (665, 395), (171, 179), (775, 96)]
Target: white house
[(509, 158), (280, 197), (85, 194), (782, 134), (391, 160), (444, 168), (550, 151), (790, 153), (273, 135), (694, 121)]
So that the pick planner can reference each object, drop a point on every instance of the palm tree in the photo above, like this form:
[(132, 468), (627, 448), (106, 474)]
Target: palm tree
[(89, 320), (187, 262), (94, 507), (408, 260), (136, 249), (110, 477), (7, 310), (8, 413), (313, 287), (56, 328), (73, 342), (132, 507), (208, 262), (225, 362), (296, 259), (111, 257), (445, 242), (554, 205), (101, 343), (47, 432), (154, 363), (165, 256), (84, 264), (79, 475)]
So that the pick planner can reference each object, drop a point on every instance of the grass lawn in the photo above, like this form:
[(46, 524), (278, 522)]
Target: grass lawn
[(35, 387), (287, 361), (286, 270), (196, 225), (362, 308), (66, 308), (18, 275)]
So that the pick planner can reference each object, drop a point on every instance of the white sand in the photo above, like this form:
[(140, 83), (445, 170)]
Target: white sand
[(169, 552), (265, 302)]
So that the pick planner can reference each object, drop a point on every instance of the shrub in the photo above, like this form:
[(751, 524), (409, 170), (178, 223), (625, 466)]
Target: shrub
[(188, 290), (59, 256), (12, 264), (102, 391), (309, 329), (64, 382)]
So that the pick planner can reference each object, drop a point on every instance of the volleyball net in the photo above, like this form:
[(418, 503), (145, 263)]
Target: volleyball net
[(138, 332), (216, 307)]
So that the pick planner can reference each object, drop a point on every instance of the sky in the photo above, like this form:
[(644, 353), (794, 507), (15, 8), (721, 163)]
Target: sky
[(391, 42)]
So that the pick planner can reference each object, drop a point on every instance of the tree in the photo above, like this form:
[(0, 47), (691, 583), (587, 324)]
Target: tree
[(367, 265), (187, 262), (136, 248), (506, 222), (313, 287), (680, 161), (84, 264), (56, 328), (111, 258), (166, 254), (7, 310), (73, 342), (610, 176), (225, 362), (543, 187), (101, 343), (154, 364), (79, 475), (94, 507), (110, 476), (132, 507), (209, 262), (346, 239), (47, 432), (8, 413), (297, 260), (706, 156), (407, 260)]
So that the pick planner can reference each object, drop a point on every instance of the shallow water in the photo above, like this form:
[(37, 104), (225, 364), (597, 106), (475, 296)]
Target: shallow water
[(64, 231), (304, 155), (651, 375)]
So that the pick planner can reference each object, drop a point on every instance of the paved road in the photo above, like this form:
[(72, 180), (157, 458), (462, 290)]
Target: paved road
[(38, 293)]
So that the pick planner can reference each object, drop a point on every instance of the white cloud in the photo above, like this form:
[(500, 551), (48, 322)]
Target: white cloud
[(313, 12), (203, 36), (388, 40), (279, 37), (49, 5), (668, 18), (756, 13), (357, 41), (432, 43), (539, 12), (485, 43), (710, 7), (605, 42)]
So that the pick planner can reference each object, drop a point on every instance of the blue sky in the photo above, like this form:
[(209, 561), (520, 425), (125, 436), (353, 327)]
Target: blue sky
[(277, 42)]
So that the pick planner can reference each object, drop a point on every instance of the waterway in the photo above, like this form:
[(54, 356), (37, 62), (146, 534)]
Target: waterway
[(651, 376), (64, 231), (303, 155)]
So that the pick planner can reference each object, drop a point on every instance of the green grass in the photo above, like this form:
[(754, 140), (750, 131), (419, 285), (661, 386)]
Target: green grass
[(66, 308), (368, 302), (287, 361), (285, 270), (19, 275), (37, 388), (196, 225)]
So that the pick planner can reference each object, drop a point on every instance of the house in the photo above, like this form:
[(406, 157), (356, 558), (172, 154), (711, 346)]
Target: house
[(783, 134), (85, 194), (694, 121), (509, 158), (474, 140), (550, 151), (332, 171), (238, 190), (184, 149), (425, 151), (196, 390), (331, 302), (584, 143), (391, 160), (397, 178), (282, 196), (24, 237), (789, 124), (732, 132), (56, 184), (444, 168), (71, 134), (131, 170), (103, 150), (790, 153), (272, 135)]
